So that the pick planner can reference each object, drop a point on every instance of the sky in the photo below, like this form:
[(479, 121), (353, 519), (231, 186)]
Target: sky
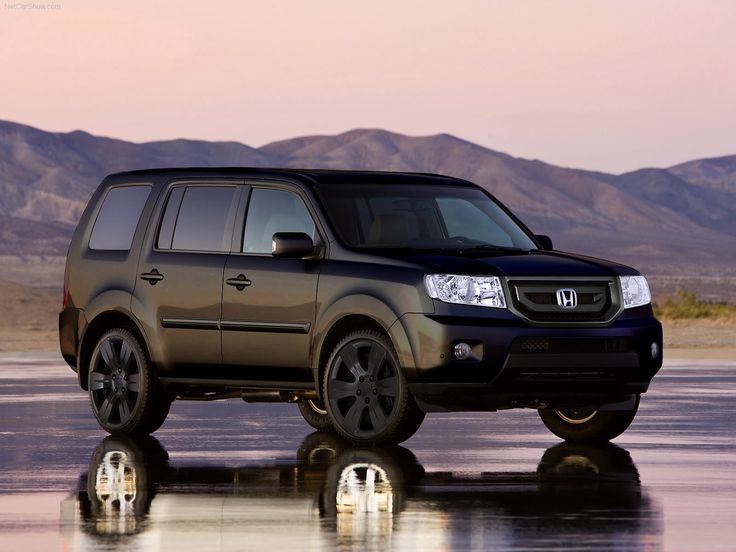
[(605, 85)]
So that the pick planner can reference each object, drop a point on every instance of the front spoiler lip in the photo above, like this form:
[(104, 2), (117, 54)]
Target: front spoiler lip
[(474, 397), (429, 389)]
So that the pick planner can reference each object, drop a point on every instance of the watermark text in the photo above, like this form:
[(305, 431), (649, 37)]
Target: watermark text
[(31, 6)]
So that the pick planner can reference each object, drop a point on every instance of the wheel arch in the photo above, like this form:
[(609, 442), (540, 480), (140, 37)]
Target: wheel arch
[(102, 322), (358, 313)]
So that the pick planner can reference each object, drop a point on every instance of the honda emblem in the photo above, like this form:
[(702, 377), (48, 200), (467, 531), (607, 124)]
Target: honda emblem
[(567, 298)]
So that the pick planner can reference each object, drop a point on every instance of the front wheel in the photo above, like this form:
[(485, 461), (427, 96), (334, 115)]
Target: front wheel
[(124, 393), (366, 394), (588, 424)]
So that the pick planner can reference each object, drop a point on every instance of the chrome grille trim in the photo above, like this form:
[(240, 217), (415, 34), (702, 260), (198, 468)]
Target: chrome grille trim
[(532, 306)]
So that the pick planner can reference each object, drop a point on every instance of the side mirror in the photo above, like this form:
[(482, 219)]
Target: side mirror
[(293, 245), (544, 241)]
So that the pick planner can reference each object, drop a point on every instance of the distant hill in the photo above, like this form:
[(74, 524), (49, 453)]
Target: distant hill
[(718, 173), (680, 220)]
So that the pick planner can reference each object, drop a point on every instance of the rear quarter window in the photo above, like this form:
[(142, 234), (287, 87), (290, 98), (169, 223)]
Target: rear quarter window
[(118, 218)]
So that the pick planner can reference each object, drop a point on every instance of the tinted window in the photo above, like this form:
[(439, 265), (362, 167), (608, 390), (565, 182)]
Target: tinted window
[(118, 218), (464, 220), (271, 211), (204, 219), (166, 232)]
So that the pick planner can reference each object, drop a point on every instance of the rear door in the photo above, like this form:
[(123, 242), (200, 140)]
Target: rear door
[(268, 320), (179, 288)]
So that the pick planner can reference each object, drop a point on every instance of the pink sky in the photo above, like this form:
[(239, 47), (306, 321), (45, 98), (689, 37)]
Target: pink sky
[(596, 84)]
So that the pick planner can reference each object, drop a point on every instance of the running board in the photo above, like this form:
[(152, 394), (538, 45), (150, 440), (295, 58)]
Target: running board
[(199, 389)]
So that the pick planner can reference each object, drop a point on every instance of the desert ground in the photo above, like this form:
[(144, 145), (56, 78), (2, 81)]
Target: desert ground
[(29, 324), (30, 318)]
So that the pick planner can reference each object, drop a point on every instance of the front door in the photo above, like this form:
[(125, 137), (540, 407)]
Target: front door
[(268, 303), (180, 273)]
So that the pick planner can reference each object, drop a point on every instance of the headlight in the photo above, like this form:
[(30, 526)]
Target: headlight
[(485, 291), (635, 291)]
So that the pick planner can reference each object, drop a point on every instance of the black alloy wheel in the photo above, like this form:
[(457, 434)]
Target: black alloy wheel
[(366, 393), (124, 394)]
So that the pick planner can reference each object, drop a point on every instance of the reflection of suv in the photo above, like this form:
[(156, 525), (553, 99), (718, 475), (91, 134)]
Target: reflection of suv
[(336, 496), (367, 298)]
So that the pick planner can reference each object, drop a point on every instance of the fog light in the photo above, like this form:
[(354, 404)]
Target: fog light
[(462, 351), (654, 349)]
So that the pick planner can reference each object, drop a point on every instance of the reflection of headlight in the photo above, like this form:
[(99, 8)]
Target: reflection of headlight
[(485, 291), (635, 291), (364, 488)]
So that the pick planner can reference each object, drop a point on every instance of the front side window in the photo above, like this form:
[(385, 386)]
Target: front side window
[(198, 218), (271, 211), (118, 218), (418, 216)]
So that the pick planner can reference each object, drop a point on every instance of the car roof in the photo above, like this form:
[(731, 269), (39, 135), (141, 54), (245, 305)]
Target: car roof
[(309, 176)]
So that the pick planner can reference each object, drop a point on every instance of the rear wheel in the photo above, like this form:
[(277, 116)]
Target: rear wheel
[(124, 393), (366, 394), (588, 424), (315, 414)]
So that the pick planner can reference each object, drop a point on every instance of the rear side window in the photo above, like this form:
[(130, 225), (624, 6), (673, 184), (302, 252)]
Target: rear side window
[(118, 218), (198, 218), (166, 232)]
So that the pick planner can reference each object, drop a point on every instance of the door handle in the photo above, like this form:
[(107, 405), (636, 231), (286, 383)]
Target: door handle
[(240, 282), (152, 277)]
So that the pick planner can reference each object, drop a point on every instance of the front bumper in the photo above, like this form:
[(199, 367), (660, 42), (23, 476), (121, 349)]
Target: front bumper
[(515, 364)]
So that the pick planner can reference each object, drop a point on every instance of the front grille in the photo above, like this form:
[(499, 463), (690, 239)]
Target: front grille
[(570, 359), (537, 299)]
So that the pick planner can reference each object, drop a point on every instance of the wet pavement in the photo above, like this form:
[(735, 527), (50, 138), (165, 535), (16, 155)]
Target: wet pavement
[(235, 476)]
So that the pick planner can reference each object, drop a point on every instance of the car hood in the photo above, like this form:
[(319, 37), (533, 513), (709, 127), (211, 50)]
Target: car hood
[(521, 263)]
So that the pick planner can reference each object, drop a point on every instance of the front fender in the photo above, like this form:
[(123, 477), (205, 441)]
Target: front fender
[(370, 307)]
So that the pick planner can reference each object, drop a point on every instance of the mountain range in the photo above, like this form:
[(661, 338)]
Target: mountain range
[(678, 220)]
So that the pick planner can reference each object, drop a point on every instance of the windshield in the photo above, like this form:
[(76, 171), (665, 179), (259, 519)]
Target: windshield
[(420, 217)]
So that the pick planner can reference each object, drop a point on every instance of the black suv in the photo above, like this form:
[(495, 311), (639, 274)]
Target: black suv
[(367, 298)]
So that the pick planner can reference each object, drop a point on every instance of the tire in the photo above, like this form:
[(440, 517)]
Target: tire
[(124, 392), (315, 414), (366, 393), (588, 425)]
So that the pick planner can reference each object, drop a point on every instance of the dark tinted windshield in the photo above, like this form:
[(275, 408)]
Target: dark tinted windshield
[(418, 216)]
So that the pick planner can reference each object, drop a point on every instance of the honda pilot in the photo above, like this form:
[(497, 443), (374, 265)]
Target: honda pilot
[(367, 298)]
